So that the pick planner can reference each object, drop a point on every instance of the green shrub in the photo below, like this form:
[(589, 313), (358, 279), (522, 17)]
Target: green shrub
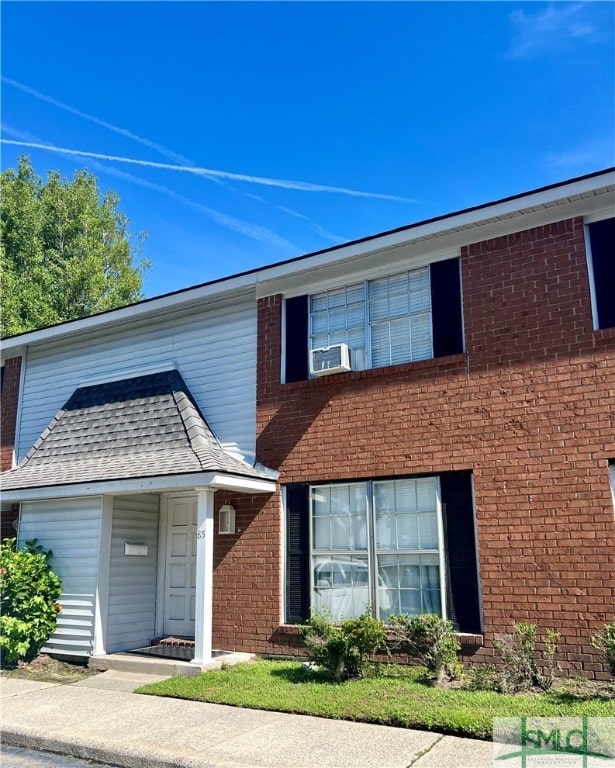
[(483, 678), (28, 607), (604, 640), (429, 638), (549, 665), (520, 658), (342, 650)]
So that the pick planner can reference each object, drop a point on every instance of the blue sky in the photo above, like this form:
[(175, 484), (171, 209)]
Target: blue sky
[(424, 108)]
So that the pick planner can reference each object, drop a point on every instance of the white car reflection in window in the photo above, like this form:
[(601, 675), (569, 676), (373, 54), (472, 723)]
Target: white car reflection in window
[(341, 588)]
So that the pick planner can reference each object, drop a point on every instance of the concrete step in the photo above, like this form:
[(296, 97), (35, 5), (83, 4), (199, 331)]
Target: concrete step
[(147, 665), (150, 665)]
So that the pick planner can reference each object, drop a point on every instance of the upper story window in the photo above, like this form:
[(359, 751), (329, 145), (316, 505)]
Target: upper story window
[(383, 322), (601, 255), (400, 318), (338, 317)]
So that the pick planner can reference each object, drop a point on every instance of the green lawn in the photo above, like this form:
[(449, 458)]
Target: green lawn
[(397, 696)]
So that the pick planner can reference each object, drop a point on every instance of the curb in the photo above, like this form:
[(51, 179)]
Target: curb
[(115, 757)]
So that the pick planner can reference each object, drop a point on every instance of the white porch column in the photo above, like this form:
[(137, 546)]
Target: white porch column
[(102, 581), (204, 576)]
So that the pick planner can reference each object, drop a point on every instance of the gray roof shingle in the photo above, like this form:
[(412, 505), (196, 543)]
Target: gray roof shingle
[(146, 426)]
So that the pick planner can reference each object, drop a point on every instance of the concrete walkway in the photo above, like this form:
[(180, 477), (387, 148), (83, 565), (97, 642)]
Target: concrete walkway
[(100, 719)]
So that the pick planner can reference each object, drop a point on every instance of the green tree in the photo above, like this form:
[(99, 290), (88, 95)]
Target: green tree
[(66, 251)]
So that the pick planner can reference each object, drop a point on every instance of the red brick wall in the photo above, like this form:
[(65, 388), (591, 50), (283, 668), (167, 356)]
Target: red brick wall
[(526, 409), (247, 574), (8, 411), (8, 522), (8, 422)]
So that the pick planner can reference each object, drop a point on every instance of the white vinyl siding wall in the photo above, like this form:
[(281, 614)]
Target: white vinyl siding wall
[(131, 612), (71, 529), (214, 350)]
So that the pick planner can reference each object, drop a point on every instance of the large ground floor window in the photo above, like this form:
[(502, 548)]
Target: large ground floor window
[(396, 546), (377, 544)]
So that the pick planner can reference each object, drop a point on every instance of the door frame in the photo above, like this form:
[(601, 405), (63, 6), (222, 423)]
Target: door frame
[(163, 540)]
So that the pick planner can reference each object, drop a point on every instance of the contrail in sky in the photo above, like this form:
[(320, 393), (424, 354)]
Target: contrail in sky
[(97, 121), (303, 186), (165, 152), (313, 225), (254, 231)]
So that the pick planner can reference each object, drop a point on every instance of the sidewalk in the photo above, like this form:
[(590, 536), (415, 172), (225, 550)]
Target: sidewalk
[(100, 719)]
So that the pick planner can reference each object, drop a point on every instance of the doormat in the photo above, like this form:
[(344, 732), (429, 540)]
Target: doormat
[(177, 652)]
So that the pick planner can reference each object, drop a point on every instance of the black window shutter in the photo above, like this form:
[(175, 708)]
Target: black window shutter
[(297, 553), (296, 339), (602, 242), (463, 595), (446, 310)]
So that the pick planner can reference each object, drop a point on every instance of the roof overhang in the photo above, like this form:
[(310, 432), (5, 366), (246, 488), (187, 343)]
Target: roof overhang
[(588, 195), (439, 239), (163, 484)]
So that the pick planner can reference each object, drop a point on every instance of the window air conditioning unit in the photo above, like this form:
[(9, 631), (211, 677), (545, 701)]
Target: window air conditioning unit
[(334, 359)]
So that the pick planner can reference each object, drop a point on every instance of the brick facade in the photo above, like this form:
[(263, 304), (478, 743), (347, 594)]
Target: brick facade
[(526, 408), (8, 421), (247, 574), (8, 413)]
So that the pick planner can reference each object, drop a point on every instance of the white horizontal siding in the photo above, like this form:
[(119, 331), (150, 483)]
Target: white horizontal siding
[(213, 348), (131, 612), (71, 529)]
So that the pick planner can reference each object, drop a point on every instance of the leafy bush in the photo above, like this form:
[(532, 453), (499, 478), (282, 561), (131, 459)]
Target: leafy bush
[(550, 640), (429, 638), (604, 640), (483, 678), (519, 655), (342, 650), (29, 591)]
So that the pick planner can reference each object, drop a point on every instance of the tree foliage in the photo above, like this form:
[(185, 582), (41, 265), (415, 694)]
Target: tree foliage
[(66, 251)]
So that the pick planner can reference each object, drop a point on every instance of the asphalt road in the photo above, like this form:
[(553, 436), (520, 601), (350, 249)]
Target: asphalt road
[(15, 757)]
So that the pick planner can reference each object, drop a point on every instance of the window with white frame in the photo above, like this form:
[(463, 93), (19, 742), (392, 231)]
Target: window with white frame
[(383, 322), (338, 317), (379, 544)]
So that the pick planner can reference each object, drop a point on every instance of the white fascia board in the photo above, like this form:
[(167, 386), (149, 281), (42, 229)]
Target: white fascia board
[(154, 307), (424, 244), (242, 484), (190, 482)]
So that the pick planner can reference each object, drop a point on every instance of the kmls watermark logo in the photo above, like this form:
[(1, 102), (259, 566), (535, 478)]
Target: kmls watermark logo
[(554, 742)]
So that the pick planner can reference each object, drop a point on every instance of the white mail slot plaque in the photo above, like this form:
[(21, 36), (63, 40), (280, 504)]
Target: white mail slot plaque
[(140, 550)]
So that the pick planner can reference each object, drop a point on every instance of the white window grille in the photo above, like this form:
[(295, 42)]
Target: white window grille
[(377, 543), (383, 322)]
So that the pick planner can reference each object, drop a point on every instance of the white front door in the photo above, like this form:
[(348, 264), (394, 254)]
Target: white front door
[(180, 567)]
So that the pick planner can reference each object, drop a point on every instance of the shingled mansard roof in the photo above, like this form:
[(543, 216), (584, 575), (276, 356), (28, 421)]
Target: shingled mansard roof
[(147, 426)]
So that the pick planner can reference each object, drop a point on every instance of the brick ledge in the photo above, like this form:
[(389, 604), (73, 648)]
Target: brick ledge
[(452, 362), (466, 639)]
